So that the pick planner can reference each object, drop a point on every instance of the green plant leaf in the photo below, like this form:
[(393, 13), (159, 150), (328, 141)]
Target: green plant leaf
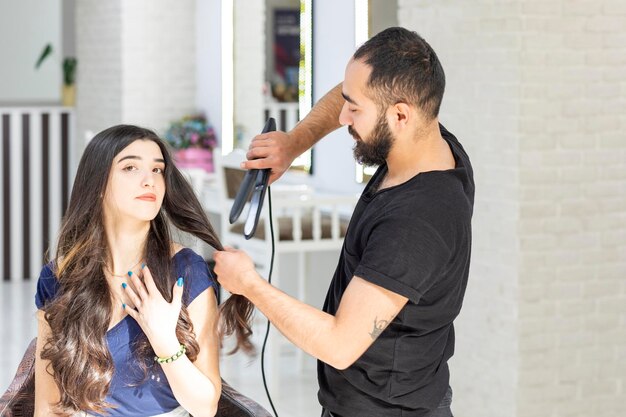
[(69, 70), (47, 50)]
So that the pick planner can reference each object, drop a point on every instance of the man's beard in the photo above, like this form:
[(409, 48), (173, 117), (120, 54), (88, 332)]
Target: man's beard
[(376, 149)]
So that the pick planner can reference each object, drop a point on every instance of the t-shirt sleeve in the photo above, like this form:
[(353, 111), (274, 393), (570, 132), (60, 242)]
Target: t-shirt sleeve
[(403, 254), (197, 278), (47, 286)]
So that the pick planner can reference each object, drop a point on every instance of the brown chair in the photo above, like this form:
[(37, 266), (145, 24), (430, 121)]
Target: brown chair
[(19, 399)]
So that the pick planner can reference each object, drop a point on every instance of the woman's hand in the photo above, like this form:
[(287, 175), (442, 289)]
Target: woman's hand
[(156, 317)]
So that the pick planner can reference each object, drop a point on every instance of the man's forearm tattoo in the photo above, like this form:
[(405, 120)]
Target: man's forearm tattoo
[(379, 326)]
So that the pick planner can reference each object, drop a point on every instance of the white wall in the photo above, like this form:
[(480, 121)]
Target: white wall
[(208, 23), (333, 45), (382, 14), (158, 61), (26, 26), (99, 77), (572, 209), (249, 68), (480, 108), (535, 92), (68, 27), (137, 63)]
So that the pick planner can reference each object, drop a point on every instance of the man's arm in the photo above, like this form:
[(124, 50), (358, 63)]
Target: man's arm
[(277, 150), (364, 312)]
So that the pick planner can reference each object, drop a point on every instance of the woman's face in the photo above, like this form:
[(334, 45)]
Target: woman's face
[(136, 184)]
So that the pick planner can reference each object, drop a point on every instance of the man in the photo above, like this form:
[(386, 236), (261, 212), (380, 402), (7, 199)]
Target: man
[(385, 333)]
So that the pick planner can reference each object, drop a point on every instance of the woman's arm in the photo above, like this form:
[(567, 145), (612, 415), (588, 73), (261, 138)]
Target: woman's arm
[(197, 386), (46, 390)]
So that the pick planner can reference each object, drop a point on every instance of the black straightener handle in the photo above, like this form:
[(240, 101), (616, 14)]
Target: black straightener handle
[(255, 182)]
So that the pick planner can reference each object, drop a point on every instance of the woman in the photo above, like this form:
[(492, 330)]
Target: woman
[(127, 320)]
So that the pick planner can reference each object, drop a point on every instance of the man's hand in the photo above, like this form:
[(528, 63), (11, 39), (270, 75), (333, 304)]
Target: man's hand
[(235, 270), (274, 150), (277, 150)]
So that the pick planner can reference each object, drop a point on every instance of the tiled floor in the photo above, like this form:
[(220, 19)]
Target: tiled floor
[(294, 393)]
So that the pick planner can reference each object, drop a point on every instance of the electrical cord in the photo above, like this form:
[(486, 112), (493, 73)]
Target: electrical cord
[(269, 280)]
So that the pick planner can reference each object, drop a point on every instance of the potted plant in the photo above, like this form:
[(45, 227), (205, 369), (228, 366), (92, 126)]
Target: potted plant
[(68, 93), (193, 139), (68, 97)]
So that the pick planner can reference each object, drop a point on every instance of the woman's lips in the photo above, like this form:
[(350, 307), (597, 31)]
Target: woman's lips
[(147, 197)]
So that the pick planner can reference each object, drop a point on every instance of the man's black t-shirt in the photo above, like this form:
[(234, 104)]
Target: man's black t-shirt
[(413, 239)]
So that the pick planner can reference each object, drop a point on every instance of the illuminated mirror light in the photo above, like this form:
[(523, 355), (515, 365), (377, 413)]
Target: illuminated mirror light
[(305, 74), (228, 88)]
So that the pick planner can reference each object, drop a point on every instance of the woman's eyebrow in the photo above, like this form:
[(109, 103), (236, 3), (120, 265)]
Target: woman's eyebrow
[(139, 158)]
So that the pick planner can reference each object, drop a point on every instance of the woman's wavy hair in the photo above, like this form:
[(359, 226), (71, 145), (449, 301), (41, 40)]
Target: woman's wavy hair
[(79, 316)]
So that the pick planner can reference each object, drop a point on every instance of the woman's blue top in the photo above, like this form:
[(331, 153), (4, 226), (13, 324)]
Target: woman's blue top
[(153, 395)]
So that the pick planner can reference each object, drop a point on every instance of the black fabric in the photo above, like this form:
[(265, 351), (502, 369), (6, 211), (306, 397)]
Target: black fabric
[(413, 239)]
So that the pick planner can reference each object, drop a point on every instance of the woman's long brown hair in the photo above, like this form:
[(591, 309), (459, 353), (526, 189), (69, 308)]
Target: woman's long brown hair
[(79, 316)]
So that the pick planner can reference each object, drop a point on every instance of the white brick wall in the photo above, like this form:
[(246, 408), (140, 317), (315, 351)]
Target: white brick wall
[(536, 94), (481, 106), (249, 70), (576, 135), (99, 71), (136, 62), (159, 61)]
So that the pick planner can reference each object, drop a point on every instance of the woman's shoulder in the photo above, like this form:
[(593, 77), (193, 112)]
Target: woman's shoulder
[(47, 285), (176, 247), (47, 272), (184, 255), (195, 271)]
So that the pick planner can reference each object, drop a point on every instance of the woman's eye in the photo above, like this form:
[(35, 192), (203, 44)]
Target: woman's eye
[(351, 110), (130, 168), (158, 170)]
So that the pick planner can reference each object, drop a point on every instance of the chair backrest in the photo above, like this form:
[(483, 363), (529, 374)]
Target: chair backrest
[(229, 177), (19, 398), (304, 220)]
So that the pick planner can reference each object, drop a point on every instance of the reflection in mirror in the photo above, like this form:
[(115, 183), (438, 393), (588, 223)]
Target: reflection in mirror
[(272, 70), (374, 16)]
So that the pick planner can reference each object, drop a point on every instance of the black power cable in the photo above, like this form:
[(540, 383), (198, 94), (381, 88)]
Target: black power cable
[(269, 280)]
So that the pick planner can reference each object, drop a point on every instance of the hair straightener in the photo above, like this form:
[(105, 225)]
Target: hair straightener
[(255, 184)]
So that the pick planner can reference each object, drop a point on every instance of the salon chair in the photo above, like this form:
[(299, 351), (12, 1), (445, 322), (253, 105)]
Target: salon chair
[(19, 399)]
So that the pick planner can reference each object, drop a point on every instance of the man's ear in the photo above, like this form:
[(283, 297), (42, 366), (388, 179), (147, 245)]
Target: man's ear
[(401, 114)]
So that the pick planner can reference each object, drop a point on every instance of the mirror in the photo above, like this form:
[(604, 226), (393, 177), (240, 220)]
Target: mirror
[(272, 68)]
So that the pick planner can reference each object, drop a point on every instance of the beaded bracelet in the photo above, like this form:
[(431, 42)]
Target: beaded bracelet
[(172, 358)]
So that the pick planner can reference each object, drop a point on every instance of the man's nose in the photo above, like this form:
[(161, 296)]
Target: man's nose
[(344, 115)]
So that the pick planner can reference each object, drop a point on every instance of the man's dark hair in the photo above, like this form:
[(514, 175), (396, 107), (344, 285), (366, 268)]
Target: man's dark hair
[(405, 69)]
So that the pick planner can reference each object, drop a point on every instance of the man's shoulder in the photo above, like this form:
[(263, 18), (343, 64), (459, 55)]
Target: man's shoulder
[(434, 191)]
